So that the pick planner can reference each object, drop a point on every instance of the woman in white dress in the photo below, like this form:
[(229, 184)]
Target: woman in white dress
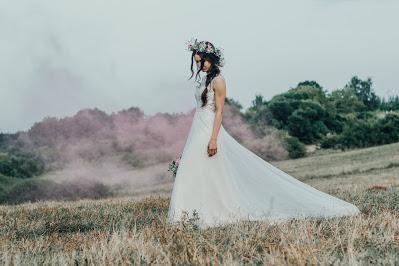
[(220, 181)]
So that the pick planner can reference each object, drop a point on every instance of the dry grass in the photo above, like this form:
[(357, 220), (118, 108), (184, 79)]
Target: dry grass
[(130, 231)]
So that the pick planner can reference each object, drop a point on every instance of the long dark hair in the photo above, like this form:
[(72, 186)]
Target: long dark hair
[(213, 71)]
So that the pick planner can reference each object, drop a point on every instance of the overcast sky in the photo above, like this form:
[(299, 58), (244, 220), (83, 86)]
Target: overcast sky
[(58, 57)]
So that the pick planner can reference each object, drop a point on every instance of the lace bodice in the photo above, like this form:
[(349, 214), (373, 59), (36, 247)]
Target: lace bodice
[(199, 88)]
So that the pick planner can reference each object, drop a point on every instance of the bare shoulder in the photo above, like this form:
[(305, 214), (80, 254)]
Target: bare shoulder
[(219, 83), (219, 77)]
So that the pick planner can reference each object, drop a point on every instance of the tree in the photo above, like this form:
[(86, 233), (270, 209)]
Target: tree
[(259, 116), (391, 104), (302, 112), (306, 123), (364, 92), (311, 83), (346, 101)]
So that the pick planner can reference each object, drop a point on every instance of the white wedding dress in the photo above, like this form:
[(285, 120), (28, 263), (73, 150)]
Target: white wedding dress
[(236, 184)]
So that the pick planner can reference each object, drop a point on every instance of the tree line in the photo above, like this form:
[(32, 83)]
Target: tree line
[(351, 117)]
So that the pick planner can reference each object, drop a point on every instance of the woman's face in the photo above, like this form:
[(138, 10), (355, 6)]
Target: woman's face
[(207, 64)]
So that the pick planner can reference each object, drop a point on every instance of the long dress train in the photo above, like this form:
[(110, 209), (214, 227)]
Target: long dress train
[(236, 184)]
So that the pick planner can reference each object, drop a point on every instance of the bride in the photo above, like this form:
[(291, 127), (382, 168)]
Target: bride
[(220, 181)]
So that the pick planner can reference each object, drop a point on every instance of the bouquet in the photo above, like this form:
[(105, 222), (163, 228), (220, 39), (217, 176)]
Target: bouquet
[(173, 166)]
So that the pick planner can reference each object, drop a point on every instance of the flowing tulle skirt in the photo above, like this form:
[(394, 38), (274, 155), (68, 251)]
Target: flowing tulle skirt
[(236, 184)]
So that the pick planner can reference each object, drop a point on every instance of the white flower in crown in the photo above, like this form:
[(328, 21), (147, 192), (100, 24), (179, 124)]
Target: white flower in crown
[(192, 44), (202, 46), (219, 53), (209, 49), (221, 62)]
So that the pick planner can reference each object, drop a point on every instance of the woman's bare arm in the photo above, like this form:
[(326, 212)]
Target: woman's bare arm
[(219, 86)]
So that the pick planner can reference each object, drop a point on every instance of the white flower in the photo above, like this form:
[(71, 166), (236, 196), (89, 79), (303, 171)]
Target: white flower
[(202, 46)]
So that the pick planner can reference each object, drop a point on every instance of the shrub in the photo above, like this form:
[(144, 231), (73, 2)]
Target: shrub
[(360, 133), (330, 141), (21, 164), (295, 148)]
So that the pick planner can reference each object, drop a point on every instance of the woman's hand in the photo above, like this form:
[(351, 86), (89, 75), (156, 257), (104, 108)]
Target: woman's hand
[(212, 147)]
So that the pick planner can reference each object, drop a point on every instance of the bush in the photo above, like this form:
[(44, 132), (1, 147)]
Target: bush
[(295, 148), (359, 133), (21, 164), (330, 141), (307, 124), (388, 129)]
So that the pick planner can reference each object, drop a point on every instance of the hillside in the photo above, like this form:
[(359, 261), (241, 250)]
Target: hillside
[(127, 230)]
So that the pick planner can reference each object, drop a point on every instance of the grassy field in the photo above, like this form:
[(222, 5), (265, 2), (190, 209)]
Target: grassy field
[(126, 230)]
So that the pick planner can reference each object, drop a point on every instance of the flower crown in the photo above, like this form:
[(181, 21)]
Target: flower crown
[(201, 46)]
